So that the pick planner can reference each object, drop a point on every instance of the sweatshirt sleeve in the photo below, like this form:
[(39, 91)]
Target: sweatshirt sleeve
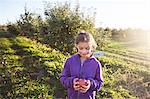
[(97, 82), (65, 78)]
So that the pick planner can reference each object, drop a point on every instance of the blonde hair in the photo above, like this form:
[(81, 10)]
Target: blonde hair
[(86, 37)]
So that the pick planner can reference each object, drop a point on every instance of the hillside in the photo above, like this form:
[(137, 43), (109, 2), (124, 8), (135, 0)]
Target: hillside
[(130, 68), (30, 69)]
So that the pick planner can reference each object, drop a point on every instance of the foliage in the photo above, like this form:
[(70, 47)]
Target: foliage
[(12, 28), (64, 23), (120, 71), (3, 28), (129, 34), (123, 79), (29, 25), (28, 69), (102, 37)]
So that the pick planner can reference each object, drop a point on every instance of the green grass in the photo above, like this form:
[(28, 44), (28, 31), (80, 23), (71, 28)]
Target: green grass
[(28, 69), (116, 45), (134, 55), (131, 66)]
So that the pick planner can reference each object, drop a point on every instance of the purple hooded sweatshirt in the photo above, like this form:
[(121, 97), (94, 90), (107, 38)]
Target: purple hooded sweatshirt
[(90, 70)]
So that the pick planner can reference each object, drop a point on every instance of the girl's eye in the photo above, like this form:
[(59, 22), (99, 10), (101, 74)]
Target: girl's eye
[(81, 48), (88, 48)]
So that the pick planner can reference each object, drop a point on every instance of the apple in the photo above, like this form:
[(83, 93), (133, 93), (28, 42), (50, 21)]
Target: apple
[(82, 82)]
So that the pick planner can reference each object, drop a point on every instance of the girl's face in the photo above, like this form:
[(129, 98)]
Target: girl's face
[(84, 49)]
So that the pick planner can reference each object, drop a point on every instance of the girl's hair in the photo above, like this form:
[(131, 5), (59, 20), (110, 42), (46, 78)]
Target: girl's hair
[(86, 37)]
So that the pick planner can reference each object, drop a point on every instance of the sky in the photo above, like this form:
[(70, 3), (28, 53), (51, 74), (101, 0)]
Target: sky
[(109, 13)]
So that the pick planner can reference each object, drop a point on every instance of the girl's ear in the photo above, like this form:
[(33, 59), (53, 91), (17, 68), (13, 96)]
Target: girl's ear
[(92, 49), (76, 49)]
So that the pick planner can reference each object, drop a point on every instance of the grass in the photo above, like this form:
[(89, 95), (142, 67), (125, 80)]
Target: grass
[(30, 67), (136, 76), (26, 65)]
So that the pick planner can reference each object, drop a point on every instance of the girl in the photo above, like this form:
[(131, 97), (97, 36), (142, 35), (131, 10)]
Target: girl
[(82, 74)]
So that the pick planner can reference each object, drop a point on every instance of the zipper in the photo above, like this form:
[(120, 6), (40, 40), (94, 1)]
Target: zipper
[(80, 76), (81, 71)]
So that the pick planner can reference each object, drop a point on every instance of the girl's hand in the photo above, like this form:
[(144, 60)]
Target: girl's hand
[(76, 84), (85, 88)]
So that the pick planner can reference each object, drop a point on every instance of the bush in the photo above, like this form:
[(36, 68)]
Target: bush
[(63, 24)]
